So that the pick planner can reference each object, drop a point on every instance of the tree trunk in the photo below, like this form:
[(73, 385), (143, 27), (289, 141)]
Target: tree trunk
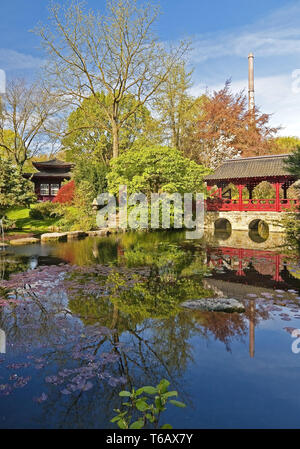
[(115, 138)]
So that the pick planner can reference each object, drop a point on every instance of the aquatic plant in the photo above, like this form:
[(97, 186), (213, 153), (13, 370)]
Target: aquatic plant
[(145, 405)]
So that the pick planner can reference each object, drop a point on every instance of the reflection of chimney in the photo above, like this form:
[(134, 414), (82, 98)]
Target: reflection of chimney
[(252, 329), (251, 83), (2, 342)]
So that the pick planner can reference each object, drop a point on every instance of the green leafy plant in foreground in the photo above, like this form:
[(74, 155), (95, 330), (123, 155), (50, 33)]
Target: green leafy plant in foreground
[(148, 408)]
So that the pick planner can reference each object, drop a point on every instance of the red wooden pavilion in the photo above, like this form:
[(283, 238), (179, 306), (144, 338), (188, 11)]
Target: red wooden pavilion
[(249, 172)]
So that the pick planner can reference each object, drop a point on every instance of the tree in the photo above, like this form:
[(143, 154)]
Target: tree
[(293, 162), (15, 190), (92, 172), (89, 134), (27, 117), (66, 193), (155, 169), (222, 151), (226, 114), (285, 144), (116, 53), (291, 223), (174, 105)]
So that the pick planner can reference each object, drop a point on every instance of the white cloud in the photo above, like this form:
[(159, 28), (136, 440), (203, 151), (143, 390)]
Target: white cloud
[(277, 35), (13, 60)]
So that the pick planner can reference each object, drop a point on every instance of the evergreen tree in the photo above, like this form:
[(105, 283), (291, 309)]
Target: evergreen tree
[(15, 190)]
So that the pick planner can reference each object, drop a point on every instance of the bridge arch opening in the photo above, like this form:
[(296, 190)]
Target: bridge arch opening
[(258, 231), (223, 229)]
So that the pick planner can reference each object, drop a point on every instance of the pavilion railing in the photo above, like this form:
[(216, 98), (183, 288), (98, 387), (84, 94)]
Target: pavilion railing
[(226, 204)]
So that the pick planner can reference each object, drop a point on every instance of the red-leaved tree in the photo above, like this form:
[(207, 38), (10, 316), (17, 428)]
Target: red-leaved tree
[(65, 194), (225, 115)]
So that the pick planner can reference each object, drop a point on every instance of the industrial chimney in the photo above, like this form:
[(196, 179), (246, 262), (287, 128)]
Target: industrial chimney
[(251, 83)]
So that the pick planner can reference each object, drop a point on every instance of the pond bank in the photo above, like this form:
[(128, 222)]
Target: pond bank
[(25, 239)]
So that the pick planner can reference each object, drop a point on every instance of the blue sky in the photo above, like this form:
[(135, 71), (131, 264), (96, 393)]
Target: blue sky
[(223, 33)]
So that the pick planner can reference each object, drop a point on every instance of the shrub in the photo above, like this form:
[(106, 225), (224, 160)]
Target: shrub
[(76, 219), (44, 210), (155, 169), (66, 193), (8, 224)]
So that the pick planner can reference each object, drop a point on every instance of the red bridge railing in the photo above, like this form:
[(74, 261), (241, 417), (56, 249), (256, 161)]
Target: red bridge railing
[(218, 204)]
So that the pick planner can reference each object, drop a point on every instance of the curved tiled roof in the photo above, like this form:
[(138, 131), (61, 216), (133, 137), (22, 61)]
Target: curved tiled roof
[(48, 174), (53, 163), (251, 167)]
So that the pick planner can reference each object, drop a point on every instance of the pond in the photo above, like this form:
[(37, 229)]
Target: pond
[(82, 320)]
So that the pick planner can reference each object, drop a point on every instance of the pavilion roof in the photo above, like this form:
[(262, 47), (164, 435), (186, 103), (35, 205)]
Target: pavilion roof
[(52, 164), (252, 167), (47, 174)]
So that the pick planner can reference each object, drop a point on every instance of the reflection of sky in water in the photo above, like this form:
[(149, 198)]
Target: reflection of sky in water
[(70, 347)]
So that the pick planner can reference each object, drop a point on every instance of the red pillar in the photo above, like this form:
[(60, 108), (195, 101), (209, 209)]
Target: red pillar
[(277, 201), (241, 259), (240, 187), (277, 276)]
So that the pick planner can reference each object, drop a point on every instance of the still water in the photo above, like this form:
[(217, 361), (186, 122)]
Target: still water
[(82, 320)]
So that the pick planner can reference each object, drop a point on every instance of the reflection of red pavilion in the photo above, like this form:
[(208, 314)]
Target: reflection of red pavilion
[(49, 177), (242, 272), (238, 259)]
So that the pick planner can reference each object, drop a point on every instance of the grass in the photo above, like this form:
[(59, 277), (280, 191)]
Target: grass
[(25, 223)]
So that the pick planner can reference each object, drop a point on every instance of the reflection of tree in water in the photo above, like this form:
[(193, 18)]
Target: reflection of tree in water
[(227, 327), (12, 264), (148, 333)]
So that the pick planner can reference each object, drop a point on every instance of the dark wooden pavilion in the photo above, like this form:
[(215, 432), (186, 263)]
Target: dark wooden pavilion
[(249, 172), (49, 177)]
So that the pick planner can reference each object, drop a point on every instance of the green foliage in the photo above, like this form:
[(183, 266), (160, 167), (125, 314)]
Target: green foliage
[(90, 180), (155, 169), (91, 172), (145, 406), (293, 163), (44, 210), (75, 218), (291, 222), (176, 108), (89, 133), (15, 190), (158, 296), (286, 144), (264, 190)]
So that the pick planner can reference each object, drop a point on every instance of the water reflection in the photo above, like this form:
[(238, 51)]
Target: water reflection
[(267, 269), (2, 342), (88, 318)]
